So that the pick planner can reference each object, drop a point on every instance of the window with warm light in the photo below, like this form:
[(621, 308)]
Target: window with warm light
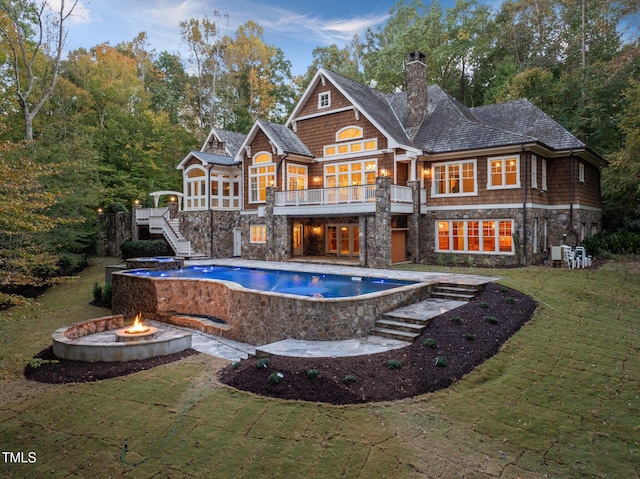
[(349, 141), (296, 177), (349, 133), (454, 179), (261, 176), (504, 172), (195, 188), (258, 234), (475, 236)]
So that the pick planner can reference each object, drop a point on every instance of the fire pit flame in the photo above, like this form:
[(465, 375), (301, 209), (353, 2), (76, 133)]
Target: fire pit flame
[(138, 326)]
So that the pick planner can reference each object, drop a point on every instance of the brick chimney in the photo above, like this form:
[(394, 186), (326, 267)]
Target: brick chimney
[(417, 99)]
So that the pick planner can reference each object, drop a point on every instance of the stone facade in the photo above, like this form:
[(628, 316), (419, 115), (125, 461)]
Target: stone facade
[(113, 230), (210, 232)]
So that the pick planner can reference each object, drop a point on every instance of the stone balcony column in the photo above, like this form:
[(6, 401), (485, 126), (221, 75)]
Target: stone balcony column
[(413, 235), (379, 234), (268, 221)]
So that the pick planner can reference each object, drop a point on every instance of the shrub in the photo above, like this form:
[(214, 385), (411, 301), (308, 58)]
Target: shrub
[(430, 343), (483, 304), (510, 300), (97, 292), (349, 378), (441, 361), (143, 248), (491, 320), (469, 336), (37, 362), (236, 364), (313, 373), (262, 363), (504, 289), (394, 364), (275, 378), (107, 295), (457, 320), (618, 243)]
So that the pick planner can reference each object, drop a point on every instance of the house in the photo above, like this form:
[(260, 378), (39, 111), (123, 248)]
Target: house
[(380, 178)]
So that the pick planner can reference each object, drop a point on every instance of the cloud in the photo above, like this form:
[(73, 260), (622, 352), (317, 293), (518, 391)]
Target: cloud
[(318, 29), (79, 16)]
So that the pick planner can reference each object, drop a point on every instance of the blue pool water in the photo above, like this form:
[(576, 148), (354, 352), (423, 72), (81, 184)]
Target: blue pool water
[(288, 282)]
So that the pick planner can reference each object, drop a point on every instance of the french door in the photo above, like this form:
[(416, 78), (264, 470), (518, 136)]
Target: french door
[(343, 240)]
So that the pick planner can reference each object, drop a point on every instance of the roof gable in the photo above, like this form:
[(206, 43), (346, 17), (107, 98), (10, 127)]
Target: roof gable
[(376, 106), (282, 139), (231, 139)]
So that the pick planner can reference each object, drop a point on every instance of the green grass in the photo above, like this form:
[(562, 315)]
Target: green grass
[(559, 400)]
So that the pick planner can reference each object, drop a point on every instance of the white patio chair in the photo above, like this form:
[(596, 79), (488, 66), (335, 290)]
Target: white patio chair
[(568, 256)]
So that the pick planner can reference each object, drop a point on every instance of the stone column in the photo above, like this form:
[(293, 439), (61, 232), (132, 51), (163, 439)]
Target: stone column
[(268, 221), (413, 235), (379, 235)]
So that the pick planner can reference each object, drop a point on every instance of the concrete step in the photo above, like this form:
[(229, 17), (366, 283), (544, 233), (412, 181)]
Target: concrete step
[(449, 295), (394, 334), (400, 326), (454, 291)]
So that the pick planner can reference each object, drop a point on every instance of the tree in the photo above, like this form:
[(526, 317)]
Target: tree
[(35, 39), (206, 45)]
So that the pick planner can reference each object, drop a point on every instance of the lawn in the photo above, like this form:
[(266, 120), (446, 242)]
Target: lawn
[(561, 400)]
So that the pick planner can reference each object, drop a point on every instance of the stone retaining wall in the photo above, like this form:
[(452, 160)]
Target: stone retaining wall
[(257, 317)]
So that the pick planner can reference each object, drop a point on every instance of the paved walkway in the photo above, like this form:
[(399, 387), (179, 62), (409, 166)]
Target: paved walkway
[(234, 350)]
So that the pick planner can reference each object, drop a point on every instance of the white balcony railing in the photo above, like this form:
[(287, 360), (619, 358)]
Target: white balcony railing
[(340, 195)]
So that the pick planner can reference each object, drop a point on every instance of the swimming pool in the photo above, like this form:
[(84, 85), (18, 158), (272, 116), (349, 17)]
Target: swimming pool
[(273, 304), (314, 285)]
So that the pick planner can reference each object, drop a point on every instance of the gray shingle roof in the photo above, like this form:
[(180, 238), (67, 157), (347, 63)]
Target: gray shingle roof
[(214, 159), (524, 117), (231, 139), (285, 138), (450, 126)]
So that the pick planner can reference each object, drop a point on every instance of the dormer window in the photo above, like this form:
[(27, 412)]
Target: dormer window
[(324, 99)]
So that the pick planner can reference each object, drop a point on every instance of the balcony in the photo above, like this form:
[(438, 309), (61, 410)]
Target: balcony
[(340, 200)]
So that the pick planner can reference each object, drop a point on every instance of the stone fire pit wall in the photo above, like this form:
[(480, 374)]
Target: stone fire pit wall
[(258, 317)]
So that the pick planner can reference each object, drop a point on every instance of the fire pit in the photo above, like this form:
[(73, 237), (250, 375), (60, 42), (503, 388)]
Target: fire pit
[(138, 331), (107, 339)]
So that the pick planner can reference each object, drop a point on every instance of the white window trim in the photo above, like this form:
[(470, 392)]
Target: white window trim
[(480, 226), (349, 145), (321, 97), (534, 172), (304, 176), (446, 166), (253, 174), (350, 127), (200, 199), (234, 200), (503, 159), (363, 170), (543, 180), (262, 237)]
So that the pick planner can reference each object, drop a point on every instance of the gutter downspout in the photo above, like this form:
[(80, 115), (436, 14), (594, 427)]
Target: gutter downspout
[(571, 195), (524, 209)]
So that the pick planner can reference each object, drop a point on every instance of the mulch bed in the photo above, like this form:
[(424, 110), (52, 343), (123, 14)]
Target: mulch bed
[(464, 343), (62, 371), (375, 380)]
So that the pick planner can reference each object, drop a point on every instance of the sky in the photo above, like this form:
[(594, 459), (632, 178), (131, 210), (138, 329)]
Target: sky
[(294, 26)]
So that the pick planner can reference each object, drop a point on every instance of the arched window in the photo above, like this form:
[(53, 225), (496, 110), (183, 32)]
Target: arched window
[(261, 175), (195, 188), (349, 133)]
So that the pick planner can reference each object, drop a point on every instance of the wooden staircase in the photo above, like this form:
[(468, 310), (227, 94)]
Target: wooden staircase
[(408, 322)]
